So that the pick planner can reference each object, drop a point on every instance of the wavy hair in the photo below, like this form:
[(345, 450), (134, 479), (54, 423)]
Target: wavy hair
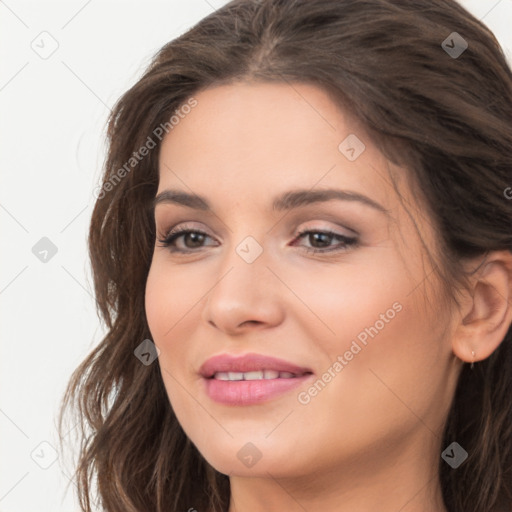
[(446, 119)]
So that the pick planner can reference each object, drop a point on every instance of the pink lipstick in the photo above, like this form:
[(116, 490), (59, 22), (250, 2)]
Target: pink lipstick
[(250, 379)]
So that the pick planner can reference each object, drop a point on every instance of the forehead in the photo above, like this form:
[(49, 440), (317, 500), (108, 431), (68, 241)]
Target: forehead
[(261, 137)]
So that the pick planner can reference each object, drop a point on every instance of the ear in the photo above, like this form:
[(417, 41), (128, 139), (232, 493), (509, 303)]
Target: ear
[(486, 314)]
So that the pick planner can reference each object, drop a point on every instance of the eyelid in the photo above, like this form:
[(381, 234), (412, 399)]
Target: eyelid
[(182, 226), (345, 244), (338, 229), (294, 233)]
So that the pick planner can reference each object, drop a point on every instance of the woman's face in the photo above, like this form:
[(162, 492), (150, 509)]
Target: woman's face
[(359, 369)]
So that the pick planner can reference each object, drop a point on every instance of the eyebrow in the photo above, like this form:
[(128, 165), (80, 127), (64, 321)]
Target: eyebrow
[(286, 201)]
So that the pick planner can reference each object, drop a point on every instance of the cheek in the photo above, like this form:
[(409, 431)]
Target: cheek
[(376, 320), (158, 304), (169, 302), (390, 372), (170, 298), (350, 302), (174, 297)]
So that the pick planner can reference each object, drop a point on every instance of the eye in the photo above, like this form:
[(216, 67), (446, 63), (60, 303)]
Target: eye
[(192, 238), (321, 240)]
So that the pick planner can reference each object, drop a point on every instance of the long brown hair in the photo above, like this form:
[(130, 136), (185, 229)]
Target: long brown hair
[(445, 117)]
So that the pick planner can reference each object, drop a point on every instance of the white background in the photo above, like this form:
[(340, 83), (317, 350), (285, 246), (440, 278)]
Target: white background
[(51, 131)]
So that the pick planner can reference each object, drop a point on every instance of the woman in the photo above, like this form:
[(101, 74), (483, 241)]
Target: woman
[(302, 252)]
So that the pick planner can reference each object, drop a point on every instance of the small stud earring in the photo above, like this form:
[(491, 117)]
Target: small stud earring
[(473, 362)]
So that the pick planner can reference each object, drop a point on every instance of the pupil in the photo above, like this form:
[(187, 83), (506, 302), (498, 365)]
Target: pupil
[(317, 238), (196, 239)]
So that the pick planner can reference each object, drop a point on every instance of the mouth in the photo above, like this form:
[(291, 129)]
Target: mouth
[(256, 375), (250, 379)]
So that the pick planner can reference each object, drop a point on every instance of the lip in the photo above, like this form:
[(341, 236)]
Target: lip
[(249, 392), (248, 363)]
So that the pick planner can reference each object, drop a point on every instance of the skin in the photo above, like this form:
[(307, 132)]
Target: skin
[(371, 438)]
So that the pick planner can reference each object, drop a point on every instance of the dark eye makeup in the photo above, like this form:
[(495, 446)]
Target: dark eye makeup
[(192, 240)]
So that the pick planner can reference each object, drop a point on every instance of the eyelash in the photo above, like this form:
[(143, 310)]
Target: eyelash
[(176, 233)]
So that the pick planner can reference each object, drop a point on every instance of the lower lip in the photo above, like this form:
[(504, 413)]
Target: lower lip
[(249, 392)]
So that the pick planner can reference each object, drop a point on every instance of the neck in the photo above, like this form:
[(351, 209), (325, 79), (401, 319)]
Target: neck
[(407, 482)]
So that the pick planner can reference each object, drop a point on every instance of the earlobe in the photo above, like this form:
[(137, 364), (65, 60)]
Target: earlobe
[(487, 314)]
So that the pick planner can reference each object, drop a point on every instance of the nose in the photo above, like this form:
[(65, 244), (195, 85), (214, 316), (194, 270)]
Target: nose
[(246, 296)]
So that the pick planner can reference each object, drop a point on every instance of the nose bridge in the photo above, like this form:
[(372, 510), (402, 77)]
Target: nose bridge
[(245, 291), (245, 268)]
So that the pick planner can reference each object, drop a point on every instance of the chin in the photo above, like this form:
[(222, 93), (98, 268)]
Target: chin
[(247, 458)]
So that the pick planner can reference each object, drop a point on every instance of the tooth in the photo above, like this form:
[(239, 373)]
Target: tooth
[(256, 375)]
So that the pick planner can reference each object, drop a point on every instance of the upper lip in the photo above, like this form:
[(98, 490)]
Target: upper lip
[(248, 363)]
